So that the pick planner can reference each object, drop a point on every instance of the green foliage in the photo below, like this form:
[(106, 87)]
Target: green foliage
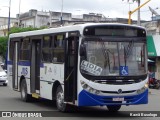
[(17, 30), (3, 46), (4, 40)]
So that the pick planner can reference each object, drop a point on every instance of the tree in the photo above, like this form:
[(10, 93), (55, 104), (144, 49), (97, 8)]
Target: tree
[(3, 46), (4, 40)]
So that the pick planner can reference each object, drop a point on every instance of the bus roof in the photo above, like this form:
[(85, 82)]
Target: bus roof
[(78, 27)]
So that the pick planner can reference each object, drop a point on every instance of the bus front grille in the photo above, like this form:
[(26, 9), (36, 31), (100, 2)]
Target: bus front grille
[(115, 92), (117, 82)]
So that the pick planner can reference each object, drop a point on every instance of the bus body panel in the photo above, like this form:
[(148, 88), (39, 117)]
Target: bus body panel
[(50, 73), (130, 98), (46, 90), (24, 70), (88, 99), (9, 74)]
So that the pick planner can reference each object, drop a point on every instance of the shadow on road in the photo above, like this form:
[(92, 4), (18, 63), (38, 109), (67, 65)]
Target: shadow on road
[(76, 111)]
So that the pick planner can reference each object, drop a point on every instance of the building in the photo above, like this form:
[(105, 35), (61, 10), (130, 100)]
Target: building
[(33, 18), (4, 25), (152, 27), (153, 42), (37, 19)]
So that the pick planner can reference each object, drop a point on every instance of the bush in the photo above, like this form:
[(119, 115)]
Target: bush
[(4, 40), (3, 46)]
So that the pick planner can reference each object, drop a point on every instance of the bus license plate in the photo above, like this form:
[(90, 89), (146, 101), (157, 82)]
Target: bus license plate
[(118, 99)]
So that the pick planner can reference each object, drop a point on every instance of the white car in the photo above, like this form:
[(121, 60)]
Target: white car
[(3, 77)]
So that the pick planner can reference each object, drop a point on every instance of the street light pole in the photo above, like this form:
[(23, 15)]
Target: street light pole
[(9, 17), (19, 13), (62, 13), (139, 19)]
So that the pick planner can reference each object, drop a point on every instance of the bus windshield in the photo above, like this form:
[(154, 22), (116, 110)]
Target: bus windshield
[(113, 58)]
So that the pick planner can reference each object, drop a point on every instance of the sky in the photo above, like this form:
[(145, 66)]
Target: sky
[(109, 8)]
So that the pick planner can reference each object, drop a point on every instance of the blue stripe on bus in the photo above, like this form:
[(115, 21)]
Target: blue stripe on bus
[(88, 99), (23, 63), (9, 62)]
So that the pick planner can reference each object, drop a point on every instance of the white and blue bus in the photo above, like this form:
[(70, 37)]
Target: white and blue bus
[(94, 64)]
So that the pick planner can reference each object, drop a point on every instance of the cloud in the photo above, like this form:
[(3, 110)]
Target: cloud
[(111, 8)]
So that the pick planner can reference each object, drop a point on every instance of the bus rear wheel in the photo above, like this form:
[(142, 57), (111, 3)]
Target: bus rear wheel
[(61, 106), (113, 108), (24, 96)]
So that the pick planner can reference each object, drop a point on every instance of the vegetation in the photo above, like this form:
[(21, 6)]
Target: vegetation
[(4, 40), (17, 30), (3, 46)]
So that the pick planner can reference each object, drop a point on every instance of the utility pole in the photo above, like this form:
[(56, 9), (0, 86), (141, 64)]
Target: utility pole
[(62, 13), (139, 19), (138, 8), (9, 16), (19, 13), (131, 12)]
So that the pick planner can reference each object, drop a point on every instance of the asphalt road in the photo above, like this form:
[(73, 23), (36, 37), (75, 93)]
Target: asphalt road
[(10, 101)]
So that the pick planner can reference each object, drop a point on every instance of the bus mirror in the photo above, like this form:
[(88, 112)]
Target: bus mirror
[(82, 50)]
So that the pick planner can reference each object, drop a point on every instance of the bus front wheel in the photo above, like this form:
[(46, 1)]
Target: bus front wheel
[(24, 96), (61, 106), (113, 108)]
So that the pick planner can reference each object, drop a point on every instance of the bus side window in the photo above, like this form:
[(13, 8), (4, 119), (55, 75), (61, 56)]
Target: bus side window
[(24, 49), (46, 49), (58, 48)]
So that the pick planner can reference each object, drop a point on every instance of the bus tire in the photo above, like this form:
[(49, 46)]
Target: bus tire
[(113, 108), (24, 96), (4, 84), (61, 106)]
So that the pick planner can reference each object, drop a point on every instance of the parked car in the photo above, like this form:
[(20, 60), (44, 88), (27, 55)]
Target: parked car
[(3, 77)]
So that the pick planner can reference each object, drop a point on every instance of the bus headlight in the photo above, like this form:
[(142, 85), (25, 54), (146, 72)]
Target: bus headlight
[(139, 91), (86, 87), (146, 85)]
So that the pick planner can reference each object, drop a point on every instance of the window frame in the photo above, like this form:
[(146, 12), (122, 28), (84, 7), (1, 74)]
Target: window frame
[(28, 49)]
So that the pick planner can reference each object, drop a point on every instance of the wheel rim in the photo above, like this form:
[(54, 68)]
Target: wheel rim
[(60, 100)]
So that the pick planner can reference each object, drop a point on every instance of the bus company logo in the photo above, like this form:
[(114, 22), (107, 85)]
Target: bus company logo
[(24, 71), (6, 114), (119, 91)]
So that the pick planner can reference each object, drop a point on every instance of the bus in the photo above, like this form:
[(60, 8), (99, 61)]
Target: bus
[(92, 64)]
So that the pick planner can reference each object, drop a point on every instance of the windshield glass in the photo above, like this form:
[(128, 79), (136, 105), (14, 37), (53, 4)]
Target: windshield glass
[(106, 58)]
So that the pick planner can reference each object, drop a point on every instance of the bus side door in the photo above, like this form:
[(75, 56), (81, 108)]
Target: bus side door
[(15, 65), (35, 65), (71, 57)]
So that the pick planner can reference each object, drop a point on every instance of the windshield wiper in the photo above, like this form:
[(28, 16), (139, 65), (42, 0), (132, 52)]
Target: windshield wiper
[(106, 55), (127, 51)]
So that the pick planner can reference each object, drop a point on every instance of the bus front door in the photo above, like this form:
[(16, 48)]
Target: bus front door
[(70, 82), (35, 66), (15, 66)]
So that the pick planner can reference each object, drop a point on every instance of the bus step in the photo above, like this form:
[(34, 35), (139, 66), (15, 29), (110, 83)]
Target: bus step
[(35, 95)]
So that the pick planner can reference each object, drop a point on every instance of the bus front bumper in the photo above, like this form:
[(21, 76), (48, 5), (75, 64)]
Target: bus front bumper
[(89, 99)]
